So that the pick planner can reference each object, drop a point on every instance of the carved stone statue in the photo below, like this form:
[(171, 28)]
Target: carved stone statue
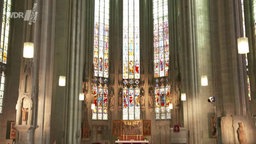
[(120, 98), (142, 101), (112, 103), (241, 133), (151, 98), (24, 114), (24, 111)]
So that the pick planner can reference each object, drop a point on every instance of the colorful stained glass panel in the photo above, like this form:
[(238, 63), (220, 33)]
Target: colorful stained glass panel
[(125, 103), (160, 38), (131, 103), (131, 58), (101, 39), (100, 102), (131, 40), (162, 102)]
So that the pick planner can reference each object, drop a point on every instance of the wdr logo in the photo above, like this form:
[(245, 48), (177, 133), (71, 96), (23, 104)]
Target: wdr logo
[(17, 15), (21, 15), (29, 15)]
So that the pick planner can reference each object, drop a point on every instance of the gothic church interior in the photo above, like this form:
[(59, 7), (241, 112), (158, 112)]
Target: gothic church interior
[(128, 71)]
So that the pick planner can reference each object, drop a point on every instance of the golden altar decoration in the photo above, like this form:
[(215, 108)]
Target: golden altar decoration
[(131, 129)]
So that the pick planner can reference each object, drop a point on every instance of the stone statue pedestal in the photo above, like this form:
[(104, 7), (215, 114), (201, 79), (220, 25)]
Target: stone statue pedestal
[(24, 134)]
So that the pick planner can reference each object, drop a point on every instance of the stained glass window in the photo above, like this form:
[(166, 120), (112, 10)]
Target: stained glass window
[(131, 103), (163, 102), (161, 38), (161, 58), (131, 60), (101, 60), (131, 40), (100, 101), (4, 42)]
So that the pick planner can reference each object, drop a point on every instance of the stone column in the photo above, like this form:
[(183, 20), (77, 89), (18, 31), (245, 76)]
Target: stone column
[(197, 59), (26, 114), (74, 74), (146, 54)]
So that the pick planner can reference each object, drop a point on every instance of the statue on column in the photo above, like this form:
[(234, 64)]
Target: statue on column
[(142, 98), (120, 98), (24, 108), (112, 99), (151, 97), (241, 133), (24, 114), (26, 105)]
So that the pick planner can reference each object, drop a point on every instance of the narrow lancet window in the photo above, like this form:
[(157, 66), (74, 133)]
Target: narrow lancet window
[(131, 60), (4, 44), (163, 104), (101, 60)]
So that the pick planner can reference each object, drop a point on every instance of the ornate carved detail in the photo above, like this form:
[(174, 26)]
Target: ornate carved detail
[(142, 98), (28, 64), (120, 94), (175, 93), (111, 99)]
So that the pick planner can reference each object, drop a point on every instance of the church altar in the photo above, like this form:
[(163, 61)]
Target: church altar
[(131, 131), (131, 128)]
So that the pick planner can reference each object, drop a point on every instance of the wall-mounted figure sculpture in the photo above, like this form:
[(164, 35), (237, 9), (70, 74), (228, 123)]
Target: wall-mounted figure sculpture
[(151, 97), (175, 93), (120, 97), (24, 111), (241, 135), (111, 99), (142, 98)]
